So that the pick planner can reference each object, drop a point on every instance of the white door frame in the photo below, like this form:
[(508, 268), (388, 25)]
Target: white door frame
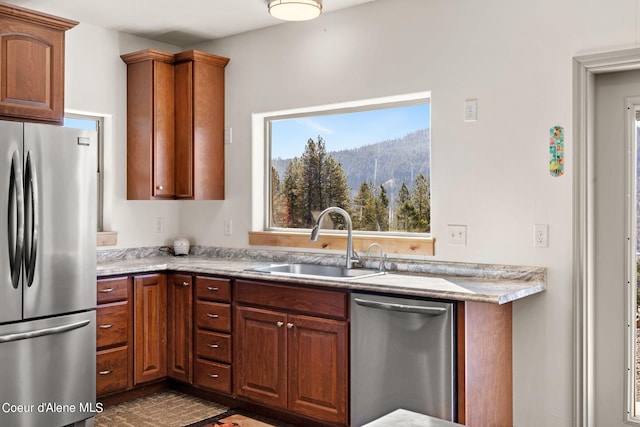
[(585, 69)]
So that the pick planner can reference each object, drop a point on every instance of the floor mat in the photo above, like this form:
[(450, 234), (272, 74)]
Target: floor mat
[(239, 418)]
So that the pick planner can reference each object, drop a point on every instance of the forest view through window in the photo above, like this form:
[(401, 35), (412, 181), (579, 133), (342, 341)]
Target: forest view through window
[(374, 163)]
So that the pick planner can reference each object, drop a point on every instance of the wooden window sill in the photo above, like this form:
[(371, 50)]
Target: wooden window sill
[(407, 245), (107, 238)]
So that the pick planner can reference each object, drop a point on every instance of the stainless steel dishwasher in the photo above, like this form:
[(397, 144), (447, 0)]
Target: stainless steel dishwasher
[(402, 356)]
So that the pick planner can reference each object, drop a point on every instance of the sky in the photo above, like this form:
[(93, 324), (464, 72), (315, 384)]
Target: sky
[(344, 131)]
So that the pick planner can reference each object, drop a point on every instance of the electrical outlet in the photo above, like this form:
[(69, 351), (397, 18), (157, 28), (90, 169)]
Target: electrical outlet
[(159, 225), (470, 110), (541, 235), (457, 234), (228, 227)]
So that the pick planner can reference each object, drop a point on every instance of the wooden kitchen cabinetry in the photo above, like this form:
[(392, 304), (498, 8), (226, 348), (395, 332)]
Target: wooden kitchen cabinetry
[(291, 349), (150, 125), (213, 334), (32, 65), (199, 138), (180, 328), (113, 336), (484, 360), (175, 125), (150, 327)]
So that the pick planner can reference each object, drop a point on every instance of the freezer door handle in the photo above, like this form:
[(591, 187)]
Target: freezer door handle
[(43, 332), (16, 219), (405, 308), (31, 215)]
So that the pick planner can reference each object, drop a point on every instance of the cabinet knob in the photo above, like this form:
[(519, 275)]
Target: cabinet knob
[(289, 325), (185, 284), (160, 187), (279, 324)]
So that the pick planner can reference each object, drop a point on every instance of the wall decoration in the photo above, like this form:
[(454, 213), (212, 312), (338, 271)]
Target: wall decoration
[(556, 150)]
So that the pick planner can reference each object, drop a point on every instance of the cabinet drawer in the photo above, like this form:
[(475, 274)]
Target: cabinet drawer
[(214, 346), (112, 325), (111, 370), (213, 315), (317, 302), (214, 376), (113, 289), (213, 289)]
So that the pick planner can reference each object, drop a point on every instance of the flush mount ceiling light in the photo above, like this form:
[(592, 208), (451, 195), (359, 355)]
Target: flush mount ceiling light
[(295, 10)]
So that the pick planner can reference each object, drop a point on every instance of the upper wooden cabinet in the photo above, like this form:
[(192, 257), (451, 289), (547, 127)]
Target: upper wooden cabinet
[(175, 129), (32, 65)]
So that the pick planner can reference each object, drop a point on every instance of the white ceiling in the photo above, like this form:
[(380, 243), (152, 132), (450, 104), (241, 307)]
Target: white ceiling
[(176, 22)]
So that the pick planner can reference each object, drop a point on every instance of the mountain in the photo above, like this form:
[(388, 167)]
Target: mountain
[(389, 162)]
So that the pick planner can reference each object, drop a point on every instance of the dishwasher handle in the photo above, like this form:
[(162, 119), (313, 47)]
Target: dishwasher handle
[(404, 308)]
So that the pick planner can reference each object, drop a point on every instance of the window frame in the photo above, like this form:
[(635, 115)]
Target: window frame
[(262, 234)]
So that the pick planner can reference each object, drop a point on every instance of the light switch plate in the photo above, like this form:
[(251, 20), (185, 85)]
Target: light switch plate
[(457, 234)]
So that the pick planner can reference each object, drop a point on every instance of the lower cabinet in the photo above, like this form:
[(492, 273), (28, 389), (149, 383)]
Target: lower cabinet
[(290, 361), (150, 328), (113, 335), (180, 327)]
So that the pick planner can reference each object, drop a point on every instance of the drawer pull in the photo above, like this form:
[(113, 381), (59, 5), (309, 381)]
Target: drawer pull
[(279, 324), (212, 289), (105, 372), (185, 284), (106, 291), (213, 375), (213, 345), (213, 316), (110, 325)]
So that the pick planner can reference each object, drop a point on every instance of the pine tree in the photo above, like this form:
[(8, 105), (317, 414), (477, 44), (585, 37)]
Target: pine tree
[(278, 201), (420, 200), (364, 217), (293, 194), (405, 210), (382, 210)]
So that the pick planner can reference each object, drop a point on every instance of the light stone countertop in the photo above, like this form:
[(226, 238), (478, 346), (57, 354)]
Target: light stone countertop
[(404, 418), (452, 281)]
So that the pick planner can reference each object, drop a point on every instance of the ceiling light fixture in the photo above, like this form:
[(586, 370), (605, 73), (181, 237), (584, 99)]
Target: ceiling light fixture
[(295, 10)]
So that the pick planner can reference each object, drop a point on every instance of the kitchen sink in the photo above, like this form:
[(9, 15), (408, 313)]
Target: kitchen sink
[(315, 270)]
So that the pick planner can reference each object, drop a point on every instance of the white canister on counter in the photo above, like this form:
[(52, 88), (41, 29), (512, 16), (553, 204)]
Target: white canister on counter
[(181, 246)]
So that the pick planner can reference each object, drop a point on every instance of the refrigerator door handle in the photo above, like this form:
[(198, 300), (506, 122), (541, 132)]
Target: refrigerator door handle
[(16, 219), (43, 332), (31, 215)]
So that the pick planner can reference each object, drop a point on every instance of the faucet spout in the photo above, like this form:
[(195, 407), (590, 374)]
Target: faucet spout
[(352, 256)]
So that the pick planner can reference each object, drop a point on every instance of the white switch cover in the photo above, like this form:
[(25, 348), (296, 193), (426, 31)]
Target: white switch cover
[(457, 234), (470, 110), (228, 227), (159, 225), (228, 135)]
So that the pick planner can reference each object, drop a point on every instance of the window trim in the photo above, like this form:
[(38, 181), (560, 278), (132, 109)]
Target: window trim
[(262, 234)]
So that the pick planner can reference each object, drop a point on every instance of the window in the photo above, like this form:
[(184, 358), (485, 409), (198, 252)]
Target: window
[(371, 160), (92, 123)]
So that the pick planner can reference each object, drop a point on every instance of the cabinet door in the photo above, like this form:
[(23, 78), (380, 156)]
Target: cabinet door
[(179, 327), (32, 69), (318, 363), (260, 356), (150, 327)]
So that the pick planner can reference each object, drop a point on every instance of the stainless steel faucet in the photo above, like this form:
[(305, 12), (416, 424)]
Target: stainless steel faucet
[(382, 255), (352, 256)]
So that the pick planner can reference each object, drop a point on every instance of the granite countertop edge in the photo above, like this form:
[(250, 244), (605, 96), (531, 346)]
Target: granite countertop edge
[(499, 286)]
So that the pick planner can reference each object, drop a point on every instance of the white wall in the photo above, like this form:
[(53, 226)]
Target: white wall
[(95, 83), (514, 57)]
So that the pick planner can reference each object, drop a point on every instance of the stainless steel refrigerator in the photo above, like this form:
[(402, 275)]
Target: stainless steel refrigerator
[(47, 275)]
